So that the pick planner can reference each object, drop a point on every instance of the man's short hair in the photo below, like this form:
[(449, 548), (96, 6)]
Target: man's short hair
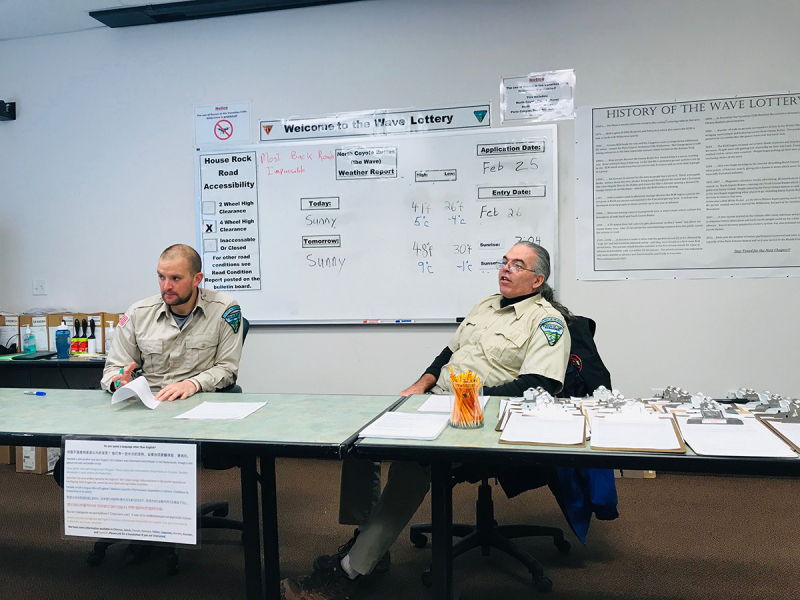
[(187, 252)]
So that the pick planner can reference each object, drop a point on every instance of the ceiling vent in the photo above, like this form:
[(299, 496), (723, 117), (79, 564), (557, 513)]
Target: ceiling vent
[(196, 9)]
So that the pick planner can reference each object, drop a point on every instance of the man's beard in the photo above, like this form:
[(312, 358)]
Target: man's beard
[(178, 301)]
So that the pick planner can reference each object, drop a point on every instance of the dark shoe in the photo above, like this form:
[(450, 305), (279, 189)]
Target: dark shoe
[(326, 560), (323, 584)]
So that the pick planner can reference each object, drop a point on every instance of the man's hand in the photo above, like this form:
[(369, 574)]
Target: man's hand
[(180, 390), (124, 377), (425, 383)]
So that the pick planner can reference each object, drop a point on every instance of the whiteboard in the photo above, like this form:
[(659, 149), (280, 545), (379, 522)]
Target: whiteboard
[(386, 229)]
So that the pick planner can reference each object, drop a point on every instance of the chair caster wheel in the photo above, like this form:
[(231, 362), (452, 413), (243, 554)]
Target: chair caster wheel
[(419, 540), (172, 564), (427, 578), (563, 546), (543, 584), (95, 558)]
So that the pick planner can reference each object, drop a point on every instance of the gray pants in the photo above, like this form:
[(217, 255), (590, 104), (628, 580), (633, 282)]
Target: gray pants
[(380, 517)]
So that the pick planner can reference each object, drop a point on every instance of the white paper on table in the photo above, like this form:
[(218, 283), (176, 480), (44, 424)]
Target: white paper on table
[(221, 410), (750, 439), (561, 430), (440, 403), (644, 432), (406, 426), (137, 388), (791, 431)]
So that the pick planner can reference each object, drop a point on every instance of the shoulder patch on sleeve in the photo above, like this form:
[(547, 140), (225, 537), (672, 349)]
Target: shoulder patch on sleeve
[(122, 320), (233, 317), (552, 328)]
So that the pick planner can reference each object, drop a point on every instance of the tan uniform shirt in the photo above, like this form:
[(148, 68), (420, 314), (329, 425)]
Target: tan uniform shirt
[(500, 344), (207, 348)]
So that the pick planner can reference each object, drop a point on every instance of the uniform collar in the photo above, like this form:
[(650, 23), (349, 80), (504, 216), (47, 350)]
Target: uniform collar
[(520, 307), (202, 304)]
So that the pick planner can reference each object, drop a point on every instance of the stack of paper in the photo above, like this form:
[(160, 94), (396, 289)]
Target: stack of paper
[(406, 426), (750, 439), (560, 429), (646, 432)]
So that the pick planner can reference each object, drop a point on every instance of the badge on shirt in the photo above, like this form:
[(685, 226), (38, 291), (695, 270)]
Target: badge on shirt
[(552, 328), (233, 317)]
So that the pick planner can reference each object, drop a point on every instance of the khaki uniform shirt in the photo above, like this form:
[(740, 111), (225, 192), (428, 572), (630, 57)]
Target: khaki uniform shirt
[(500, 344), (207, 348)]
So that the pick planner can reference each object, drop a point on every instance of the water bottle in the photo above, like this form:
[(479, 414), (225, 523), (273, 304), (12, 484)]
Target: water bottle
[(63, 340), (28, 341)]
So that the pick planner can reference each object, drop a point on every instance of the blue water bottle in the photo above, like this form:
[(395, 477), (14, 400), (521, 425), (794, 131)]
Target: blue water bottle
[(63, 336)]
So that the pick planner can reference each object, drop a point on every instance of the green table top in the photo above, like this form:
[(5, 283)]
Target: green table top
[(482, 444), (325, 422)]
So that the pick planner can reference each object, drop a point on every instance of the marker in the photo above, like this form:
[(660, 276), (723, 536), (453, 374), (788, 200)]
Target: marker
[(403, 321), (371, 321), (121, 371), (35, 393)]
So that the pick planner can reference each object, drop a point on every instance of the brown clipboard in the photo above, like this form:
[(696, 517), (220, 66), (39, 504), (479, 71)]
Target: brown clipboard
[(768, 422), (680, 450)]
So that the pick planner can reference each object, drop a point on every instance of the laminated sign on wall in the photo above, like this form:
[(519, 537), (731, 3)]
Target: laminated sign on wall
[(704, 188)]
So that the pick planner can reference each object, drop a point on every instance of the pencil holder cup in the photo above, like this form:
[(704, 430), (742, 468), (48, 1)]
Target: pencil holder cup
[(465, 405)]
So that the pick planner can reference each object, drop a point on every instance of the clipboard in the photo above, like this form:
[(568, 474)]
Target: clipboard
[(680, 450), (766, 420)]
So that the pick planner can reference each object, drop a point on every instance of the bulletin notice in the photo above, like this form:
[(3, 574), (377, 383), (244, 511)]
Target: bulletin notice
[(706, 188), (137, 491)]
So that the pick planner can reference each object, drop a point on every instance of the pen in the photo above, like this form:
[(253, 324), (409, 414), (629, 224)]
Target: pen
[(121, 371), (34, 393)]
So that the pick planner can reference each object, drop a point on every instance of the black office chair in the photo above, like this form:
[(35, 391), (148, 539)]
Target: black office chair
[(211, 515), (585, 373), (487, 534)]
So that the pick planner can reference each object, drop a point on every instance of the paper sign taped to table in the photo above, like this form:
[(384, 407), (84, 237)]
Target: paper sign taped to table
[(138, 491)]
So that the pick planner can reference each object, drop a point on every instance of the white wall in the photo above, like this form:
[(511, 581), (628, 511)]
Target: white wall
[(96, 174)]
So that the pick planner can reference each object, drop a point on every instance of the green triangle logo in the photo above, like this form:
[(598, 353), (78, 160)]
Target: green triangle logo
[(480, 115)]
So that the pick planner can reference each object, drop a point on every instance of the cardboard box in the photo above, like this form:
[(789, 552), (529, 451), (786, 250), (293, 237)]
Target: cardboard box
[(634, 474), (9, 331), (7, 455), (32, 459), (38, 328)]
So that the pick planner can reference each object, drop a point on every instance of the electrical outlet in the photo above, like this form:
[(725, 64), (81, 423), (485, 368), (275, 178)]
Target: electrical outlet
[(39, 287)]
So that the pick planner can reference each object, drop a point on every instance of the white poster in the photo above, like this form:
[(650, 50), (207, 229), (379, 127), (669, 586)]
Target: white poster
[(704, 188), (547, 96), (229, 229), (377, 122), (225, 123), (130, 491)]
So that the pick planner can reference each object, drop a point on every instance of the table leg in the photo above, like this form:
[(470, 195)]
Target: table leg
[(250, 535), (442, 531), (269, 515)]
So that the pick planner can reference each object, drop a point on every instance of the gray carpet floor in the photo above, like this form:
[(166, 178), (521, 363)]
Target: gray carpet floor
[(678, 537)]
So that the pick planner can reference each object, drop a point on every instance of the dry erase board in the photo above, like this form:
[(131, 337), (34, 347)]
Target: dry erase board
[(389, 229)]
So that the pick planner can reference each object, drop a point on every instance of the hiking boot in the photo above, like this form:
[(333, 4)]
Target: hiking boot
[(330, 583), (326, 560)]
